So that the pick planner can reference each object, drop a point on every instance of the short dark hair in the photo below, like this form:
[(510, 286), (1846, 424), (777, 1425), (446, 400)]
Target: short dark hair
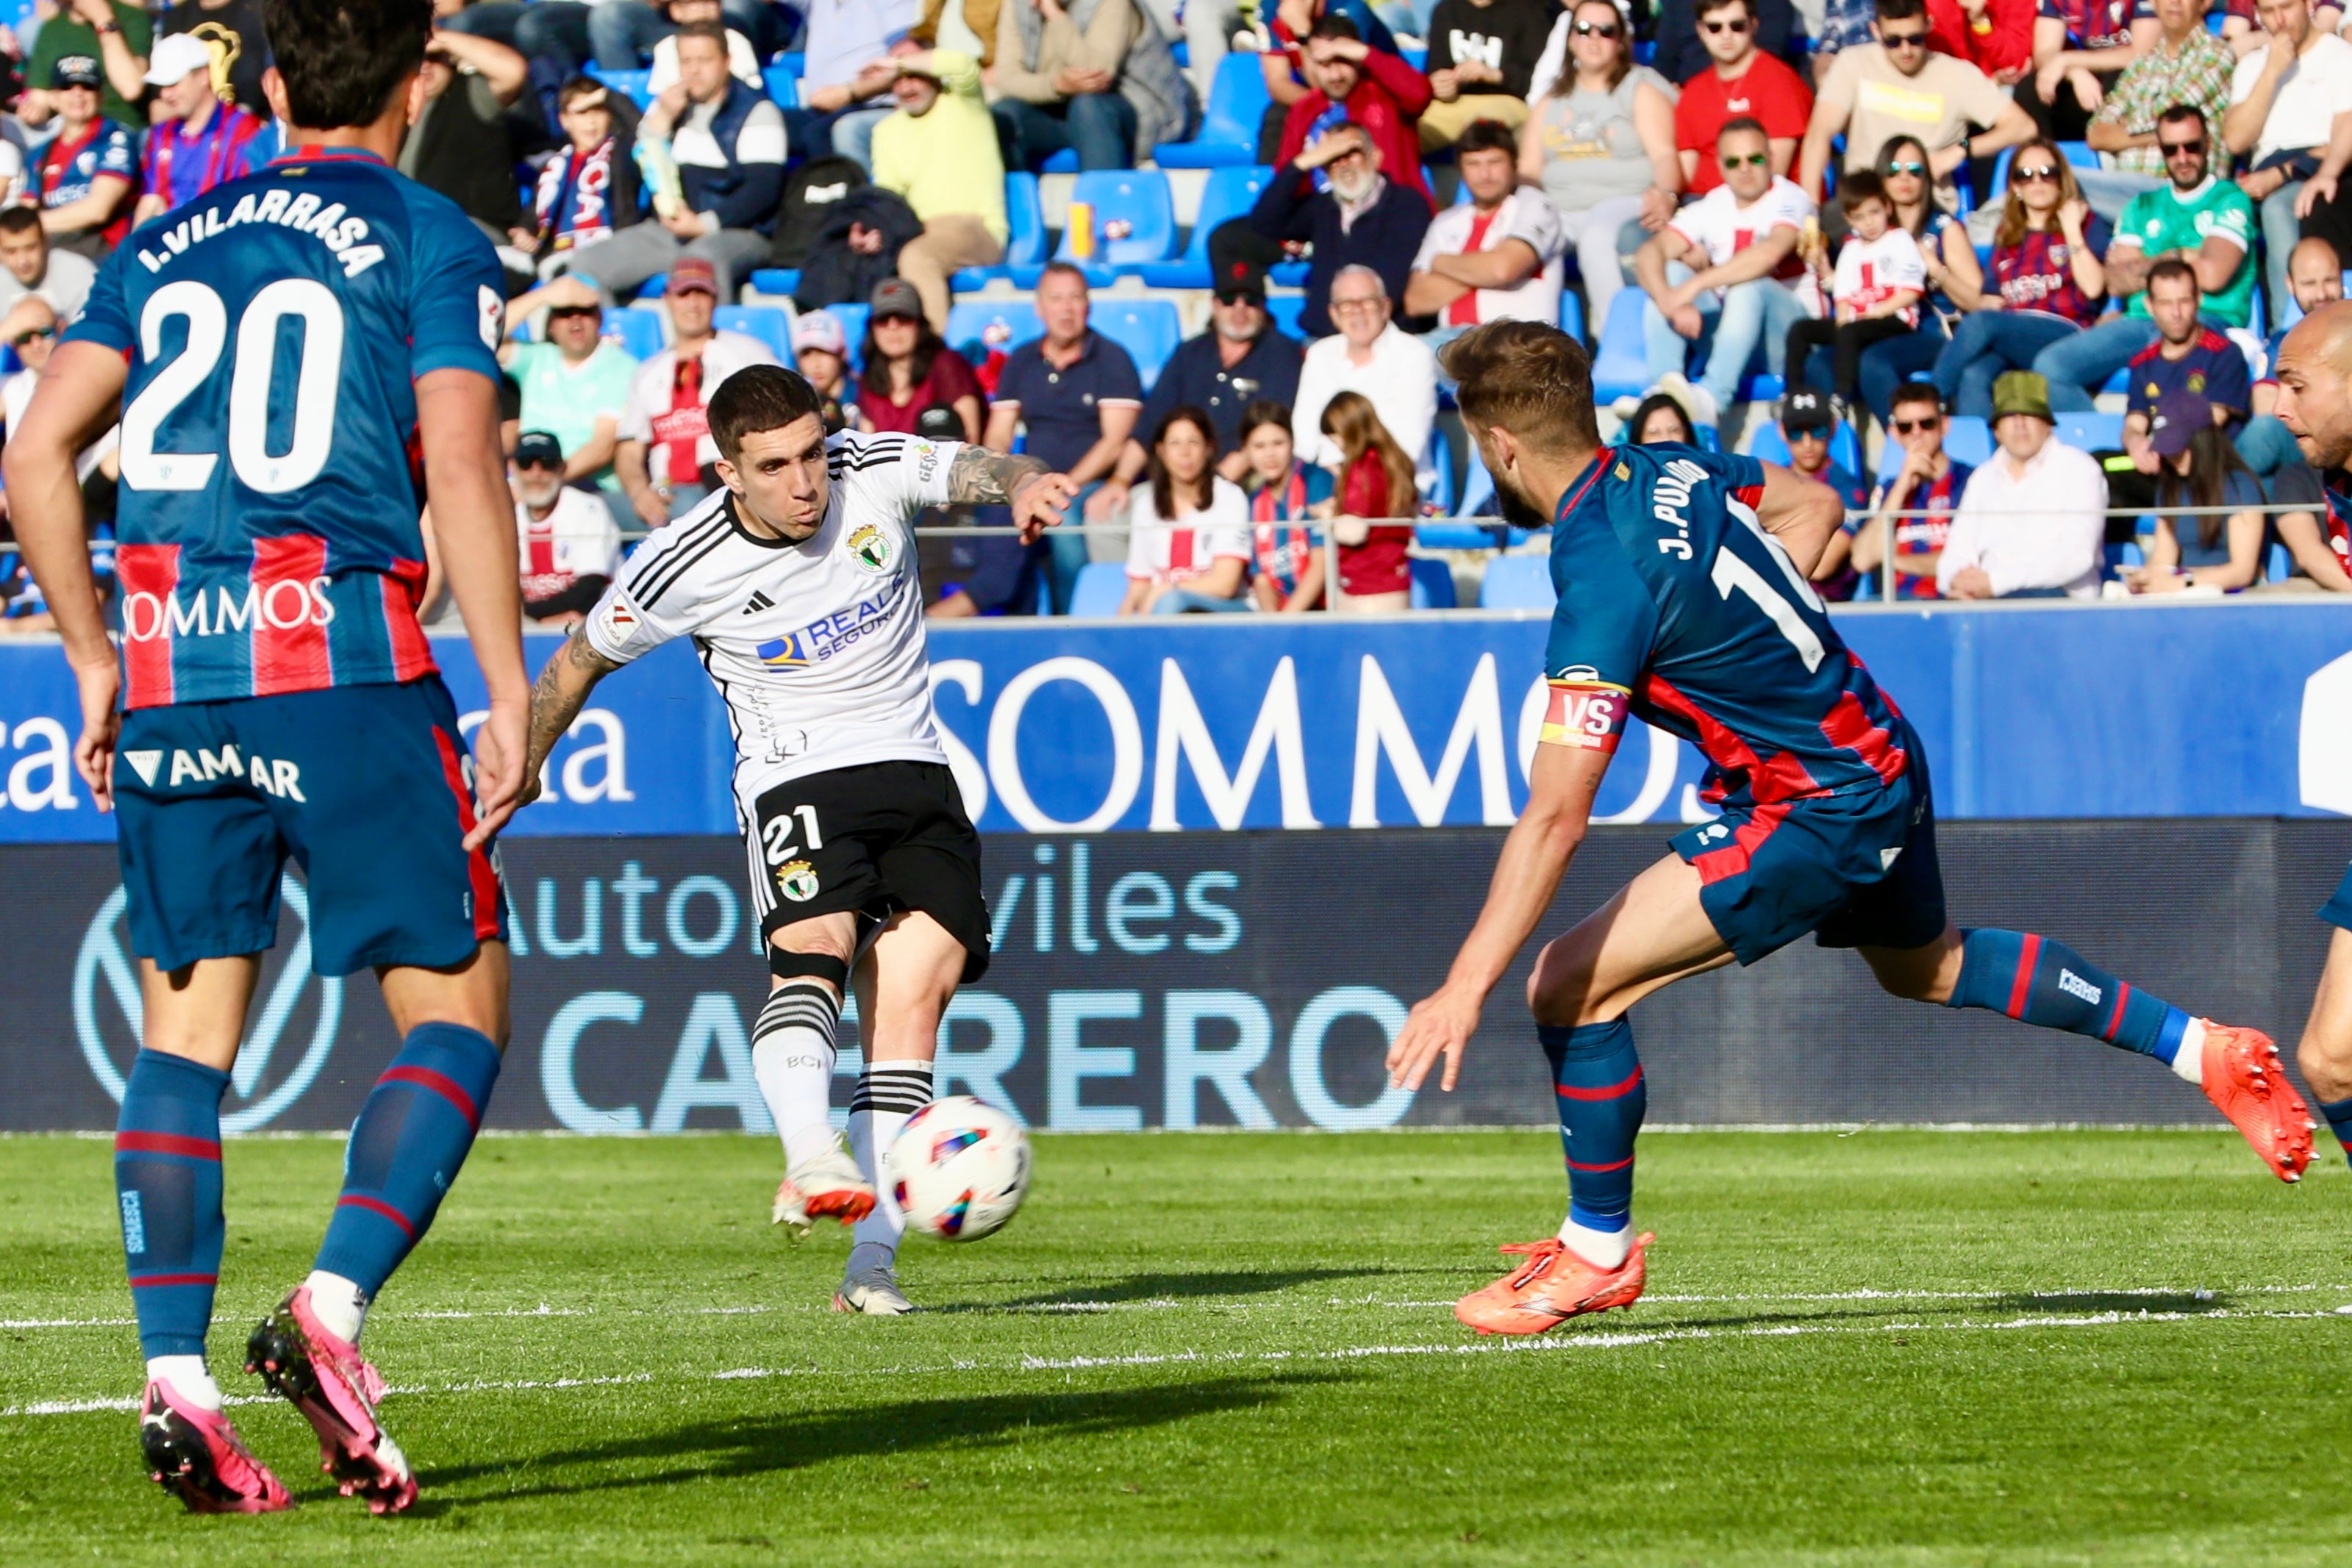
[(757, 398), (1487, 136), (342, 60), (714, 31), (2173, 267), (1068, 268), (20, 219), (577, 87), (2174, 114), (1916, 391), (1901, 10), (1530, 378), (1859, 187), (1264, 411), (1745, 123), (1708, 7), (1331, 24)]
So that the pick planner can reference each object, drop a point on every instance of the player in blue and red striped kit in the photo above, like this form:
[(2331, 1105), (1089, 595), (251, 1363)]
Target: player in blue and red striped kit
[(2315, 404), (1684, 602), (297, 355)]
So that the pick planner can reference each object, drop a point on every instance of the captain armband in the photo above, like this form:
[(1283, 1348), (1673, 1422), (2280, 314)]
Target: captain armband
[(1587, 714)]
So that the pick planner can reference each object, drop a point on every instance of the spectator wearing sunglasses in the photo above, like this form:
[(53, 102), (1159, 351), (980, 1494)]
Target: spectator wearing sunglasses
[(2047, 284), (1600, 144), (30, 328), (1897, 86), (1681, 53), (569, 542), (1351, 83), (1741, 80), (1927, 482), (575, 386), (2184, 64), (1481, 64), (1808, 425), (2195, 218), (1359, 217), (1721, 276)]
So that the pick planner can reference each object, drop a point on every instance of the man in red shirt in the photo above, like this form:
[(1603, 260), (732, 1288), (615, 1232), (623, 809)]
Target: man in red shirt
[(1744, 83), (1350, 81)]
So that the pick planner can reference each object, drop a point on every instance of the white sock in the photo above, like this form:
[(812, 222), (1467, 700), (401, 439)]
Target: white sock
[(340, 1305), (189, 1378), (1601, 1249), (792, 1056), (2188, 1062), (888, 1093)]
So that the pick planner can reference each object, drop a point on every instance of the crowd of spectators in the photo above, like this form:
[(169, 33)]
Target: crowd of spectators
[(1786, 186)]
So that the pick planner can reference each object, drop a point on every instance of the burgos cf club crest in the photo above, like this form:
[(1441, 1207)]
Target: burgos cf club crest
[(796, 880), (872, 549)]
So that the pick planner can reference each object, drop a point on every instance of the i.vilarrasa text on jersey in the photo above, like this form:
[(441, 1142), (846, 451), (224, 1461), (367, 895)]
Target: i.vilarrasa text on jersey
[(332, 225)]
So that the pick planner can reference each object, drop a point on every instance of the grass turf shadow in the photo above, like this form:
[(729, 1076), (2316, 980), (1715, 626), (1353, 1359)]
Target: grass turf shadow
[(760, 1444), (1209, 1283)]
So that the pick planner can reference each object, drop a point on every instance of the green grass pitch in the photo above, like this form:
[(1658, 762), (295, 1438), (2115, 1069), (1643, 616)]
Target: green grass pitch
[(1890, 1347)]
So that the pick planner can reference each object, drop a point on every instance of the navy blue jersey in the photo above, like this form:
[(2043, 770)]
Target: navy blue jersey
[(275, 328), (1676, 606)]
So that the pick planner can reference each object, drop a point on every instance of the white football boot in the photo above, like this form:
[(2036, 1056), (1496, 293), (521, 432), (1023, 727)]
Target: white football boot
[(828, 1186), (874, 1291)]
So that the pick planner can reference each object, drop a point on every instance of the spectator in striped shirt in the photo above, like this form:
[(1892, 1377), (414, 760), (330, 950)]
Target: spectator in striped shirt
[(1285, 547), (1928, 482), (201, 142)]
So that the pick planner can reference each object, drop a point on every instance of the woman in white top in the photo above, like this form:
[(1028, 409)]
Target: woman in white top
[(1600, 141), (1190, 541)]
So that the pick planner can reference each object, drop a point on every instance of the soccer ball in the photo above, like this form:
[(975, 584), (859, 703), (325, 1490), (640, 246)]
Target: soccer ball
[(960, 1169)]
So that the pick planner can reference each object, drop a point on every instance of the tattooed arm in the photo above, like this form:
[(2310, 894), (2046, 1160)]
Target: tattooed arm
[(556, 698), (979, 477)]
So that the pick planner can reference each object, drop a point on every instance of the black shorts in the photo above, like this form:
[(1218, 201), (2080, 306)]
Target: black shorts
[(874, 839)]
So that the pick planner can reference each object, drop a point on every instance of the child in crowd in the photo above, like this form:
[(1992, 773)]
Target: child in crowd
[(590, 189), (1285, 550), (1375, 482), (1189, 545), (1873, 289)]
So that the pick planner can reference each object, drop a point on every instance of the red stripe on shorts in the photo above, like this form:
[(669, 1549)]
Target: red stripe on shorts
[(150, 575), (289, 637), (479, 871), (412, 650), (1732, 860)]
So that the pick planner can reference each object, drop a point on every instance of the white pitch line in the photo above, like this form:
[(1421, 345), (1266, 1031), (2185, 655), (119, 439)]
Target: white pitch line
[(1588, 1341)]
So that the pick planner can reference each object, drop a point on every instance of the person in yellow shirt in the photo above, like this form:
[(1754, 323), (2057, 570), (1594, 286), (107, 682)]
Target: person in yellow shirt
[(938, 150)]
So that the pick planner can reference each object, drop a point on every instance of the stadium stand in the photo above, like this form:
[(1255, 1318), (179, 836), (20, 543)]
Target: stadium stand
[(1148, 330), (1134, 220), (1228, 193), (769, 323), (1229, 122)]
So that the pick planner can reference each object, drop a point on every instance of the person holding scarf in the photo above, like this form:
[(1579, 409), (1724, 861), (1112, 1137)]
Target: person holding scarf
[(1285, 547), (590, 189)]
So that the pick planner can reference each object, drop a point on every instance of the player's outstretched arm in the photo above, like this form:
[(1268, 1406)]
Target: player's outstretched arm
[(1534, 856), (556, 698), (979, 477), (1802, 515), (78, 393), (473, 523)]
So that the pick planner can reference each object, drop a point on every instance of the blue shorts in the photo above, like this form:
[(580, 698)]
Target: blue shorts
[(1858, 870), (366, 787), (2337, 911)]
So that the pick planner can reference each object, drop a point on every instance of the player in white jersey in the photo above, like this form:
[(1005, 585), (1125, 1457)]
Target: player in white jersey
[(798, 585)]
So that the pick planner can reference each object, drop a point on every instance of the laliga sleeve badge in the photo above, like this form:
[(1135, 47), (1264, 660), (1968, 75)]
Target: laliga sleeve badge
[(796, 880)]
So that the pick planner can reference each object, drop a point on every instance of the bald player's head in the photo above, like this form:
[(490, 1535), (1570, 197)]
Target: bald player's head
[(2314, 378)]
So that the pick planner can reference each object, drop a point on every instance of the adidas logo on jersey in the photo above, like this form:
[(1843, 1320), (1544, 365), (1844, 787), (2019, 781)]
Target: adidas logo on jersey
[(758, 602)]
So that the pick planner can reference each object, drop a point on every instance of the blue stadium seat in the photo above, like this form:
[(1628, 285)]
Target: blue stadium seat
[(1571, 314), (1025, 246), (1237, 101), (1432, 585), (1136, 197), (1458, 536), (1477, 488), (1289, 274), (1099, 590), (1518, 582), (793, 64), (772, 324), (776, 279), (1285, 309), (641, 333), (2092, 432), (1066, 161), (1230, 193), (632, 83), (1968, 439), (2278, 565), (1439, 460), (1621, 368), (1148, 330), (783, 86), (853, 326), (976, 325)]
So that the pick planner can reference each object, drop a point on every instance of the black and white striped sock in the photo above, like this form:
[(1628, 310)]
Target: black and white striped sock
[(888, 1093), (792, 1058)]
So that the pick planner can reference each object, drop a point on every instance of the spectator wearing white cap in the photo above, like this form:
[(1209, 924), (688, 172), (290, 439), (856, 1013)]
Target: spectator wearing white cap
[(821, 348), (233, 34), (199, 142)]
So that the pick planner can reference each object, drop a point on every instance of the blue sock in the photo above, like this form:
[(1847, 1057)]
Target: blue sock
[(406, 1148), (2339, 1117), (2039, 981), (1601, 1095), (167, 1181)]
